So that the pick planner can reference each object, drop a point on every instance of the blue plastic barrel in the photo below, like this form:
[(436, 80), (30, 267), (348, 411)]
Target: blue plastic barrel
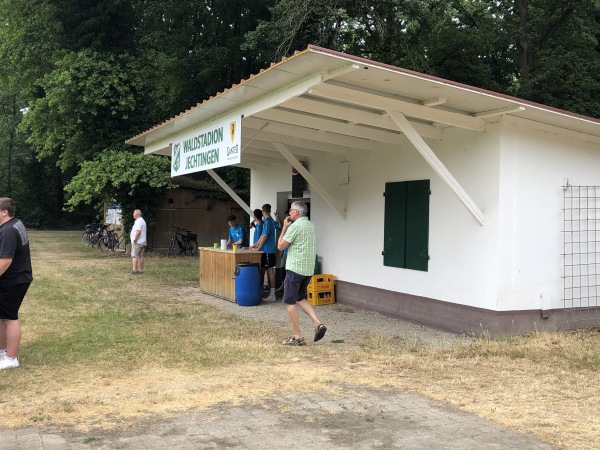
[(248, 291)]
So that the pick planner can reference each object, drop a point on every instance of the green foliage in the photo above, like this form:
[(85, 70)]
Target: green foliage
[(88, 102), (543, 50), (563, 69), (29, 40), (134, 180), (14, 151), (94, 73), (331, 23), (100, 25), (197, 47)]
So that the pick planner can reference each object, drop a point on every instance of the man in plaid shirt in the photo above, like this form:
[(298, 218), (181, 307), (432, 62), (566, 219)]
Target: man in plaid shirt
[(299, 237)]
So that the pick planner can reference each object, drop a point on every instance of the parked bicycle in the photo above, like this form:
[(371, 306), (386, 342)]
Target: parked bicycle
[(185, 241), (88, 233), (99, 236), (109, 240), (93, 234)]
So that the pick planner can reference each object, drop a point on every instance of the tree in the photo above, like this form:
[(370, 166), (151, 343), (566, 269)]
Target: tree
[(542, 50), (28, 40), (91, 73), (12, 148), (90, 103), (196, 46), (134, 180), (559, 53), (30, 37)]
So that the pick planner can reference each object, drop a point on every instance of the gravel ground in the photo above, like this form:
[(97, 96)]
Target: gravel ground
[(344, 324)]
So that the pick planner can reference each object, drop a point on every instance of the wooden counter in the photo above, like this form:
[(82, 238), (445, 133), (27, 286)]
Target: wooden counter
[(217, 268)]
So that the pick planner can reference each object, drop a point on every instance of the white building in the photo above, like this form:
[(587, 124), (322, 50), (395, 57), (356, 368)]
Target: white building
[(490, 220)]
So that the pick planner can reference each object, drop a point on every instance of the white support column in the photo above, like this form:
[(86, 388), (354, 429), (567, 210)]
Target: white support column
[(230, 191), (310, 179), (435, 163)]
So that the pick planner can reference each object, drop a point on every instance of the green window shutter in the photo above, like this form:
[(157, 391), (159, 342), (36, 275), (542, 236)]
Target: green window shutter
[(394, 228), (406, 225), (417, 225)]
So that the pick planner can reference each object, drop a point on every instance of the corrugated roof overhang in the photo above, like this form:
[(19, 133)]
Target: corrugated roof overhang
[(321, 96), (344, 99)]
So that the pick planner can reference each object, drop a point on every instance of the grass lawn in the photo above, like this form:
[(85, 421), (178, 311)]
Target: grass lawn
[(101, 348)]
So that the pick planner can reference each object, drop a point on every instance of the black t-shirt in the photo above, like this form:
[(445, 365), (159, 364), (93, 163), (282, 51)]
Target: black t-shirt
[(14, 244)]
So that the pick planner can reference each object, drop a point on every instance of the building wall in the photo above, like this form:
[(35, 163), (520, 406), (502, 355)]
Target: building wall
[(464, 255), (203, 216), (514, 172), (536, 160)]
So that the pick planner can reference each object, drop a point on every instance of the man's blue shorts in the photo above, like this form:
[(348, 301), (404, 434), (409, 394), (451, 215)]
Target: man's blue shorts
[(294, 287)]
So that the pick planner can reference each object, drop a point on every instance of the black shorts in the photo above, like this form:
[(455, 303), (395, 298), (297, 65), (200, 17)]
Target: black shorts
[(294, 287), (11, 298), (268, 260)]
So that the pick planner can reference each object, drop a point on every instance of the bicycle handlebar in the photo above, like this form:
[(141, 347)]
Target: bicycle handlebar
[(182, 229)]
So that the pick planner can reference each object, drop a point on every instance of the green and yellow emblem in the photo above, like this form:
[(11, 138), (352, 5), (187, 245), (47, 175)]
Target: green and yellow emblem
[(176, 157), (232, 130)]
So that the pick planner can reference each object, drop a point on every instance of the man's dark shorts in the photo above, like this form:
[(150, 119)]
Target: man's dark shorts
[(11, 298), (294, 287), (268, 260)]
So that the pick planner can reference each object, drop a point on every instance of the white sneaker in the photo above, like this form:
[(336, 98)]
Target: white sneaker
[(2, 353), (8, 363), (270, 298)]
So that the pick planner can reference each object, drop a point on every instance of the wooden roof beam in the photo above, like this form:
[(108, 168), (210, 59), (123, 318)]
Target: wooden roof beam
[(435, 163), (414, 110), (352, 114), (296, 120), (265, 148), (312, 181), (435, 101), (230, 191), (308, 138), (500, 111)]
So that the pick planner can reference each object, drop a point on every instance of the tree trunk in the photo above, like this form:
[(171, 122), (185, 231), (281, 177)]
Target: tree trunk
[(524, 47), (11, 147)]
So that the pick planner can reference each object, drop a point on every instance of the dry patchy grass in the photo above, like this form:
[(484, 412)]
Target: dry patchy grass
[(101, 348)]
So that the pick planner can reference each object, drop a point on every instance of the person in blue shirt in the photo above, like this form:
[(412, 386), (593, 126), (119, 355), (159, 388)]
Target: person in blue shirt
[(268, 245), (237, 233), (257, 224)]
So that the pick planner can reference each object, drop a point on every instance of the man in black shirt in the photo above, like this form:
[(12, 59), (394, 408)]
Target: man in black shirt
[(15, 277)]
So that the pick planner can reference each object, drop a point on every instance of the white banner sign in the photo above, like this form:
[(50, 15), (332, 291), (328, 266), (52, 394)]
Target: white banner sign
[(214, 145)]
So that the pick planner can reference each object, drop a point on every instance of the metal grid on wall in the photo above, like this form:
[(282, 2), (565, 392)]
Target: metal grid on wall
[(581, 254)]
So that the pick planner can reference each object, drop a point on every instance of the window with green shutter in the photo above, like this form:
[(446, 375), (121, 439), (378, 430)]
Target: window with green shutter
[(406, 225)]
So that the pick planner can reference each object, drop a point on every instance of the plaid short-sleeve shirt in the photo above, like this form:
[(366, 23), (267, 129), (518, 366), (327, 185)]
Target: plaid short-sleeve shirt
[(302, 250)]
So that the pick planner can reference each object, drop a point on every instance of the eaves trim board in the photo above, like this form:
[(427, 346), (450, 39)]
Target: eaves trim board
[(339, 64)]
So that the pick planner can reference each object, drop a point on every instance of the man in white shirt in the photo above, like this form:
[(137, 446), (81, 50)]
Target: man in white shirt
[(138, 243)]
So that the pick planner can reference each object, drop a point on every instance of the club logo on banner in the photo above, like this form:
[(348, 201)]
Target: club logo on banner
[(207, 147), (176, 157), (232, 130)]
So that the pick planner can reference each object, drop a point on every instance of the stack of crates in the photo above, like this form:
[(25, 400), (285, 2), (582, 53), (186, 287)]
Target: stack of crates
[(320, 290)]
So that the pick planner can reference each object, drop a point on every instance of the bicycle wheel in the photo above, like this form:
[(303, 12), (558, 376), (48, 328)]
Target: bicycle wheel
[(85, 238), (113, 242), (171, 247), (103, 243), (192, 247)]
